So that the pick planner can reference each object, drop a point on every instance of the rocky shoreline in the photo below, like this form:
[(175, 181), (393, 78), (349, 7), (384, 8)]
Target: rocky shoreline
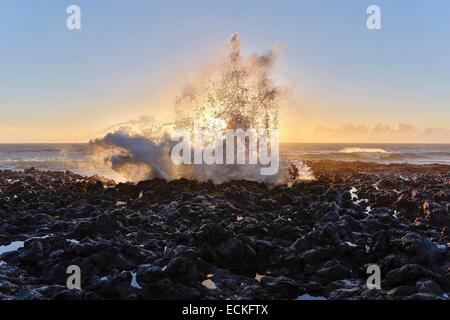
[(240, 240)]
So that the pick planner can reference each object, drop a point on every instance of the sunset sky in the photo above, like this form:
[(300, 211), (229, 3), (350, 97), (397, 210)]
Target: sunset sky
[(131, 58)]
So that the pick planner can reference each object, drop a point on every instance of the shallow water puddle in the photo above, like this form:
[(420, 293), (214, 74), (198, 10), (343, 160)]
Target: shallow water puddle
[(307, 297), (353, 194), (259, 277), (43, 237), (208, 283), (13, 246), (134, 282), (358, 201), (350, 244), (16, 245), (349, 282)]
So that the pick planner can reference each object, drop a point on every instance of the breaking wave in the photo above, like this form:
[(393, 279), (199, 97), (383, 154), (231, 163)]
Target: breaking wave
[(363, 150), (365, 154)]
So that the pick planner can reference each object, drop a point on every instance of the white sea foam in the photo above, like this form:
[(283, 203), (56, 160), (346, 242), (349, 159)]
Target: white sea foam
[(363, 150)]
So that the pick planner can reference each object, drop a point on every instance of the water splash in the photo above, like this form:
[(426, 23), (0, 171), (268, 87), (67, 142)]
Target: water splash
[(237, 93)]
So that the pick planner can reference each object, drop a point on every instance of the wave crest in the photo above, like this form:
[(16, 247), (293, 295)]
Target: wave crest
[(362, 150)]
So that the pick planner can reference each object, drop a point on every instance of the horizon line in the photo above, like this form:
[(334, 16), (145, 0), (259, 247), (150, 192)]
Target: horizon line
[(298, 142)]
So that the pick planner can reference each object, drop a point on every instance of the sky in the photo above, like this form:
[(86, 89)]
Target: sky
[(131, 58)]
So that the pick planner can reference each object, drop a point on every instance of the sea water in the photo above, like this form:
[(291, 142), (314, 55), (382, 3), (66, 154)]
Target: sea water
[(76, 157)]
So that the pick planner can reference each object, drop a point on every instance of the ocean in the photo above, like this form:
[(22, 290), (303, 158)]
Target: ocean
[(76, 158)]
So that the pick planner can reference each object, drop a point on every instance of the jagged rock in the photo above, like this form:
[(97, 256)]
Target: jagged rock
[(160, 240)]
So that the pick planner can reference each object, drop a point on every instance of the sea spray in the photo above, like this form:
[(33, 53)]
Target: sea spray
[(235, 94)]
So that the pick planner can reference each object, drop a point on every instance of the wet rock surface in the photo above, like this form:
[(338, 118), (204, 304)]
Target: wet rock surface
[(240, 240)]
